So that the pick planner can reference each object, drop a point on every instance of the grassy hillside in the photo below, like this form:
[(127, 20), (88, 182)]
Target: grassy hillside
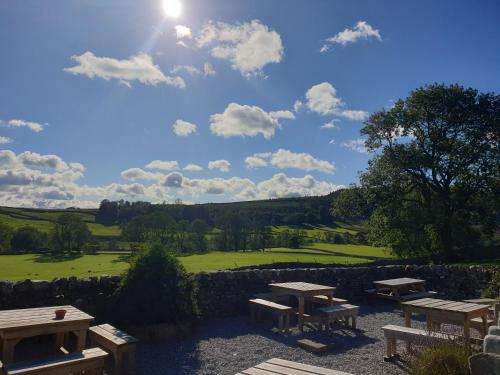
[(43, 219)]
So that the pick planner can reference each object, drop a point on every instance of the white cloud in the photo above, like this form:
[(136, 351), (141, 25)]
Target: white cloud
[(192, 168), (332, 141), (183, 128), (282, 114), (138, 174), (183, 32), (189, 69), (246, 121), (322, 99), (137, 68), (329, 125), (249, 46), (165, 165), (297, 106), (284, 159), (357, 145), (16, 123), (5, 140), (221, 165), (208, 70), (253, 162), (362, 30)]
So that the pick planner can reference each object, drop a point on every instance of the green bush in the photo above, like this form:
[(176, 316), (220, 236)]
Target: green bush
[(28, 239), (155, 289), (493, 289), (450, 359)]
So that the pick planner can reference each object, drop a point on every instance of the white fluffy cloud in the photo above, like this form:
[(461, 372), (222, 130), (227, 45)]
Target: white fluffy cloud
[(17, 123), (165, 165), (137, 68), (183, 32), (192, 168), (249, 46), (329, 125), (208, 70), (5, 140), (362, 30), (357, 145), (297, 106), (322, 99), (221, 165), (183, 128), (284, 159), (253, 162), (246, 121)]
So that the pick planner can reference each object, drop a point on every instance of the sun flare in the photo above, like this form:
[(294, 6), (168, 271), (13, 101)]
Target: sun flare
[(172, 8)]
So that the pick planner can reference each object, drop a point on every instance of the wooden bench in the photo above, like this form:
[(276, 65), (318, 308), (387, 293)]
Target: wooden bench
[(323, 300), (283, 312), (331, 314), (276, 366), (477, 323), (270, 296), (418, 295), (120, 344), (392, 333), (88, 362)]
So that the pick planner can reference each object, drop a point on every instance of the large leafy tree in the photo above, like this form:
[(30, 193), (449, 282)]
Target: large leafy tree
[(434, 179), (70, 233)]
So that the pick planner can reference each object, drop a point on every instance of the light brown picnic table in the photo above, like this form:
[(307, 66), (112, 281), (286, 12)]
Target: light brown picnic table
[(444, 311), (302, 290), (397, 286), (277, 366), (16, 325)]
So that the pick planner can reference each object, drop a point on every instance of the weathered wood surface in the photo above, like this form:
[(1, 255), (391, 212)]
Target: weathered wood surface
[(282, 311), (16, 325), (276, 366), (444, 311), (89, 360)]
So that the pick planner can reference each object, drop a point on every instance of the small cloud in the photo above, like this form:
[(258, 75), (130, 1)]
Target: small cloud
[(5, 140), (362, 30), (332, 141), (357, 145), (183, 128), (208, 70), (166, 165), (330, 125), (189, 69), (221, 165), (253, 162), (183, 32), (192, 168), (17, 123), (298, 106)]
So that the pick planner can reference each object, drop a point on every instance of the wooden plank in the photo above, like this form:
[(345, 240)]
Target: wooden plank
[(257, 371), (306, 368), (277, 369), (403, 281), (421, 302), (270, 304)]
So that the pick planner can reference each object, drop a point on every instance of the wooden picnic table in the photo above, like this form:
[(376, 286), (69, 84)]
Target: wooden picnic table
[(398, 286), (302, 291), (16, 325), (444, 311), (277, 366)]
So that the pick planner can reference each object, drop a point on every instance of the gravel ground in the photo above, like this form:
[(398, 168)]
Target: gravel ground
[(226, 346)]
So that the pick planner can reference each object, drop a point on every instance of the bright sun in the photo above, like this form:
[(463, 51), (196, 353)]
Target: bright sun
[(172, 8)]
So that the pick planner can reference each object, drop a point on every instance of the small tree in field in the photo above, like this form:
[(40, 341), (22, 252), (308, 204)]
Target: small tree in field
[(70, 233)]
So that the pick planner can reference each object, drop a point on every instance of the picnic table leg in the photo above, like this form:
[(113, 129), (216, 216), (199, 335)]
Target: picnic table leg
[(60, 338), (485, 326), (8, 349), (428, 320), (301, 313), (353, 317), (407, 317), (81, 338), (467, 330)]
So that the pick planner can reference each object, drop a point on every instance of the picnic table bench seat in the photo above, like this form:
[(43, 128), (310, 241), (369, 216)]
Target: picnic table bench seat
[(283, 311), (330, 314), (89, 361), (418, 295), (393, 333), (276, 366), (324, 300), (120, 344)]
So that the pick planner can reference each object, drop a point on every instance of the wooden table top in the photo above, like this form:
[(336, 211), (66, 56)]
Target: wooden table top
[(300, 287), (403, 281), (445, 305), (276, 366), (42, 316), (482, 301)]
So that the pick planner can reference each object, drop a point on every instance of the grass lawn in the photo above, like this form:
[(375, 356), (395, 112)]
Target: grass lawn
[(219, 260), (43, 267), (358, 250), (315, 230)]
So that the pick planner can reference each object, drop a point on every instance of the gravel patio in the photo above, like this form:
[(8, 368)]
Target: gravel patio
[(226, 346)]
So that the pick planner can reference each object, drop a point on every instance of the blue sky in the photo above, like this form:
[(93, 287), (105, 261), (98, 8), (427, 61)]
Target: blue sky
[(91, 90)]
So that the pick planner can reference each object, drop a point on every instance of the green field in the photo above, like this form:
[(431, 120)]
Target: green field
[(42, 220), (34, 266)]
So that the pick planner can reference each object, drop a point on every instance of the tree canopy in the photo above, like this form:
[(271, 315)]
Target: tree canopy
[(434, 179)]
